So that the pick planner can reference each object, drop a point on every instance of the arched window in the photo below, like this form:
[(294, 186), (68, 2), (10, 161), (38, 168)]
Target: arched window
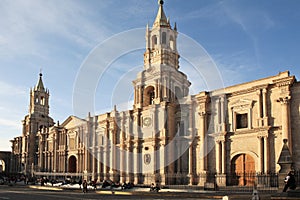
[(172, 43), (164, 38), (149, 95), (154, 41), (42, 101)]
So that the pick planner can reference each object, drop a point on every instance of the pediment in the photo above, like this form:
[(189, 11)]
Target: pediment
[(241, 102), (72, 122)]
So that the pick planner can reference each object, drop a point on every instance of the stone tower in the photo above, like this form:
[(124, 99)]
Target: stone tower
[(158, 90), (35, 125), (160, 81)]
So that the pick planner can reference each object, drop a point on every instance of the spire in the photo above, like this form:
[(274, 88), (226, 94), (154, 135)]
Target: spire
[(285, 159), (161, 19), (40, 85)]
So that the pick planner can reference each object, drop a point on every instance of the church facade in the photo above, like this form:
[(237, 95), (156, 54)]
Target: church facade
[(169, 136)]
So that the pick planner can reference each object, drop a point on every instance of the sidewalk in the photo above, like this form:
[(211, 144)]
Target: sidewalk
[(184, 193)]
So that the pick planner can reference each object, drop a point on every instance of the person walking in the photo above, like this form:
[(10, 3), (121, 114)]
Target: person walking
[(84, 186), (290, 182)]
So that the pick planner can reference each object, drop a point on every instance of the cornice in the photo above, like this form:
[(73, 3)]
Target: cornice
[(286, 81)]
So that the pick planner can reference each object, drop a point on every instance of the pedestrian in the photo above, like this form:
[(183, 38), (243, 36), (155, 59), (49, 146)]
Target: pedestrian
[(42, 182), (79, 183), (84, 186), (94, 183), (290, 182)]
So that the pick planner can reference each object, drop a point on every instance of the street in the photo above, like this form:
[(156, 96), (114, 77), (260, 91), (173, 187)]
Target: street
[(26, 193)]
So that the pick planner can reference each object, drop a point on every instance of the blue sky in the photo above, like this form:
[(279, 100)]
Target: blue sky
[(247, 39)]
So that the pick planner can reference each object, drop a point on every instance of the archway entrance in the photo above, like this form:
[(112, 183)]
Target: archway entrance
[(2, 166), (72, 164), (243, 170)]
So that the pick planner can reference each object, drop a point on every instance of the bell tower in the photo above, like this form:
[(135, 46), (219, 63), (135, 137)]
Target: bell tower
[(161, 42), (35, 124), (39, 99), (161, 80)]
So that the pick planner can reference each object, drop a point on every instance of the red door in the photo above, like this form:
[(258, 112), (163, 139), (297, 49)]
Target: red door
[(243, 170)]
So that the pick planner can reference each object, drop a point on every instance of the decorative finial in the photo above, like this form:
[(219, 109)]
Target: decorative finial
[(41, 72), (160, 2)]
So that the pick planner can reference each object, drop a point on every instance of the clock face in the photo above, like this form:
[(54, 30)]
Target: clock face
[(147, 121)]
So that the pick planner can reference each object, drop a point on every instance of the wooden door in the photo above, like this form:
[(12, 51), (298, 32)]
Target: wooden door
[(243, 170)]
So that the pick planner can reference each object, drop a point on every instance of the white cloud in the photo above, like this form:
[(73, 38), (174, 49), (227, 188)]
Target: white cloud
[(27, 25), (7, 89), (10, 123), (249, 19)]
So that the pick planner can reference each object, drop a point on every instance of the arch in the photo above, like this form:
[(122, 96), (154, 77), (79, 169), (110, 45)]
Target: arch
[(164, 38), (243, 170), (172, 43), (72, 164), (251, 153), (42, 100), (154, 41), (149, 95), (2, 166)]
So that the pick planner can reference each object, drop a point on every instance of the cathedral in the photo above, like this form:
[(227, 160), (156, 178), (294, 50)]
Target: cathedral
[(169, 137)]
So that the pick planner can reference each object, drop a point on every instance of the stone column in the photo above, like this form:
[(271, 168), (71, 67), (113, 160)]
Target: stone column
[(223, 126), (93, 163), (136, 163), (156, 88), (106, 155), (201, 147), (112, 155), (259, 122), (260, 154), (178, 145), (191, 163), (123, 163), (159, 91), (41, 158), (285, 120), (162, 162), (218, 157), (233, 120), (250, 118), (55, 153), (223, 157), (166, 88), (100, 162), (140, 94), (266, 155), (265, 107), (220, 163), (135, 96), (218, 109), (191, 125)]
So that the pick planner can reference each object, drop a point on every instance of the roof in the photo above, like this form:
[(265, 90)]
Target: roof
[(40, 85), (161, 19)]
